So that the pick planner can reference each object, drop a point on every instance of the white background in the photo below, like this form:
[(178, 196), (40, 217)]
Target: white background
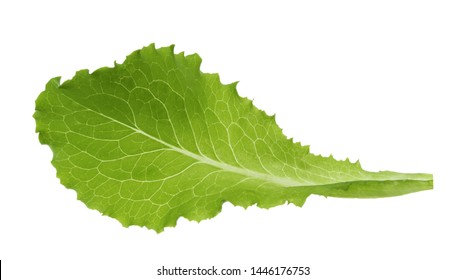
[(379, 81)]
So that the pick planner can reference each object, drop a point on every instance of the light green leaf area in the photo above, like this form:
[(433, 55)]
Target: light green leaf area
[(155, 139)]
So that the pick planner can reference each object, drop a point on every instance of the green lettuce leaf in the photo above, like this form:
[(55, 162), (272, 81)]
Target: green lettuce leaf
[(154, 139)]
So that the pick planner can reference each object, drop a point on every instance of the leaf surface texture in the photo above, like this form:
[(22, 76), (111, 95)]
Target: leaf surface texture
[(154, 139)]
